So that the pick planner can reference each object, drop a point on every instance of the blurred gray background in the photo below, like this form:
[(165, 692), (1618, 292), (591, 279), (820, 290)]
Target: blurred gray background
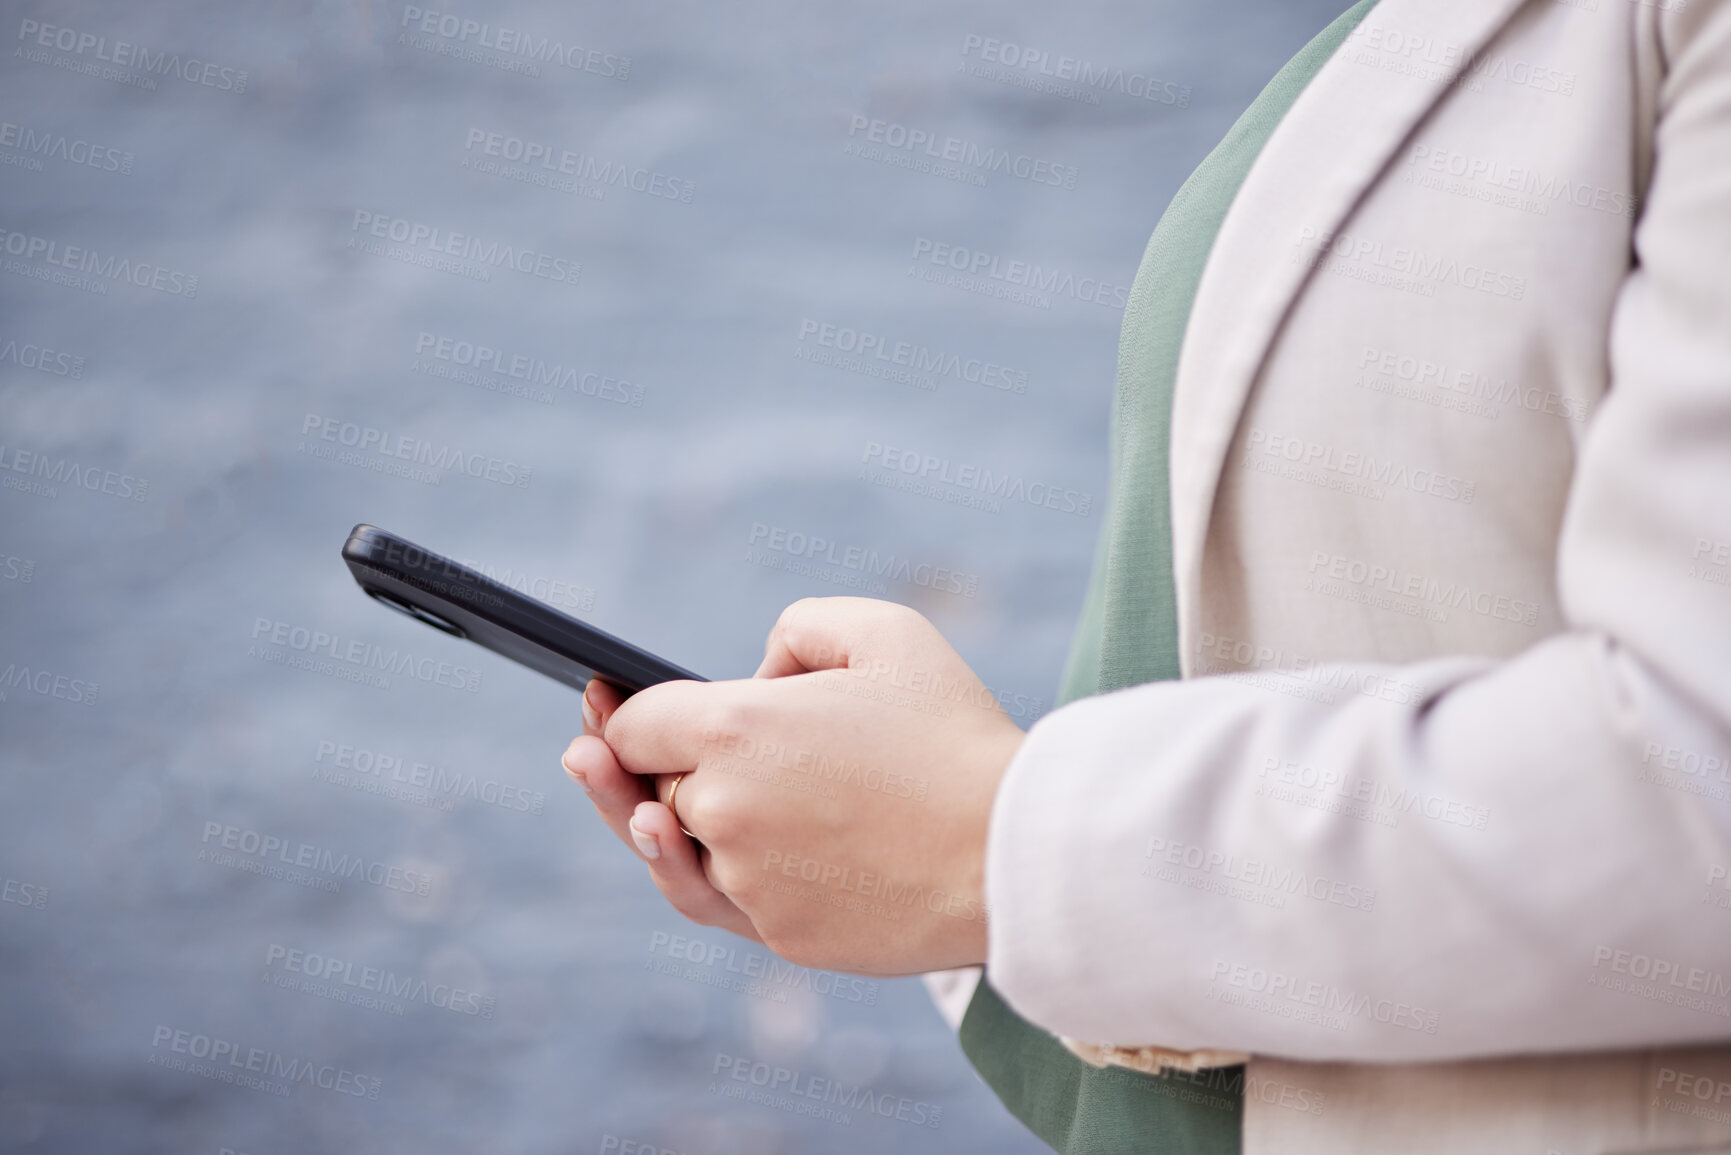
[(174, 488)]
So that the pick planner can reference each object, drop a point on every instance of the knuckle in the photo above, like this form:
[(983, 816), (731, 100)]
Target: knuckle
[(704, 914), (908, 621), (786, 940), (793, 611), (731, 876), (690, 911), (692, 901), (736, 716), (718, 813)]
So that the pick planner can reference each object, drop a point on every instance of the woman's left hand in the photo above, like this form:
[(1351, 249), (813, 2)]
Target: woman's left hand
[(839, 800)]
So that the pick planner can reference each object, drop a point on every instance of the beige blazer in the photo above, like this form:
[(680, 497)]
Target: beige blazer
[(1438, 825)]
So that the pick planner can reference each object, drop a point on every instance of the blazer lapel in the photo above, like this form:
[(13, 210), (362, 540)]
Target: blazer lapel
[(1346, 126)]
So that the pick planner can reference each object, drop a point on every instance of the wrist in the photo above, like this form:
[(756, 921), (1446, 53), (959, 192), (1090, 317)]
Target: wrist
[(965, 938)]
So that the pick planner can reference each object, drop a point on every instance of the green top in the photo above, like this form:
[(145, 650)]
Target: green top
[(1128, 635)]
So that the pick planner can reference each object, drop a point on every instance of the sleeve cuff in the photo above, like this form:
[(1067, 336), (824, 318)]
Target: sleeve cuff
[(952, 991)]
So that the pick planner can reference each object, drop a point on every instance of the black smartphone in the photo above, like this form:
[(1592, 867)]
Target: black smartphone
[(467, 604)]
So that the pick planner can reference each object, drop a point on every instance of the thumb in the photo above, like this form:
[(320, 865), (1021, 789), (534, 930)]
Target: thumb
[(662, 729), (829, 634)]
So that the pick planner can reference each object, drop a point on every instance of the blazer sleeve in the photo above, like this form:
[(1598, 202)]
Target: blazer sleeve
[(1505, 856)]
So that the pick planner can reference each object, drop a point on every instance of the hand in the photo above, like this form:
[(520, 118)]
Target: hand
[(841, 796)]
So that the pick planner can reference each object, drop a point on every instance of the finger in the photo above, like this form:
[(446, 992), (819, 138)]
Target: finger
[(674, 860), (591, 764), (660, 730), (829, 634), (780, 659), (600, 699), (664, 791), (676, 867), (678, 793)]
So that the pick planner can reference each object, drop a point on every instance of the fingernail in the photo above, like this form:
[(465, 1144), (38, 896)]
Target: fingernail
[(591, 716), (646, 843), (575, 774)]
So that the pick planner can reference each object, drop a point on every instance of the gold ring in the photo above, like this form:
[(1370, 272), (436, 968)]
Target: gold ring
[(671, 791)]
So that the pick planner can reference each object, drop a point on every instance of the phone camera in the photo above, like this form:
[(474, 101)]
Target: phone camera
[(410, 609)]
